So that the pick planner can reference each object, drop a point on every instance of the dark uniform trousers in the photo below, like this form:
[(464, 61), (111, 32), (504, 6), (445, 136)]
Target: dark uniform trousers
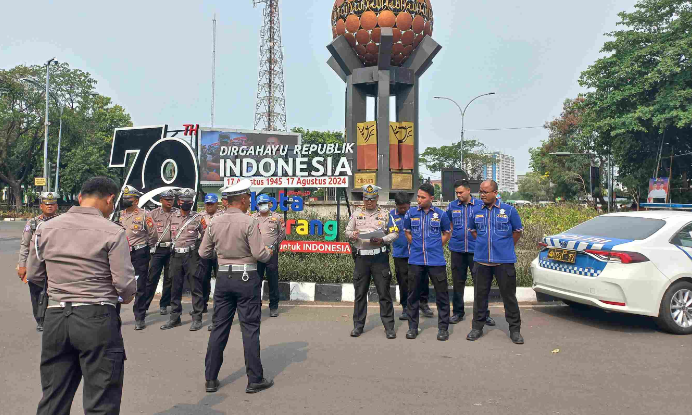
[(377, 267), (159, 260), (270, 271), (184, 268), (506, 277), (205, 268), (82, 341), (140, 261), (462, 263), (438, 276), (231, 293), (401, 270), (35, 293)]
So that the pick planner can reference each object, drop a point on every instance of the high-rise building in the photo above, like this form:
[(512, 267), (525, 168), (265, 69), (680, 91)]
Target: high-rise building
[(501, 169)]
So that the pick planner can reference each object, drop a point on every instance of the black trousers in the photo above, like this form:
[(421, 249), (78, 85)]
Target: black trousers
[(35, 294), (270, 271), (438, 275), (462, 263), (230, 294), (401, 270), (81, 342), (506, 277), (159, 261), (205, 268), (375, 268), (140, 261), (184, 268)]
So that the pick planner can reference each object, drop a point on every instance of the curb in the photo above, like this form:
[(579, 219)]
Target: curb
[(12, 219), (335, 293)]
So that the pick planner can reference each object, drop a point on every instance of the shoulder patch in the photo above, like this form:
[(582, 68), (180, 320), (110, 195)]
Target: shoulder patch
[(204, 223), (150, 223)]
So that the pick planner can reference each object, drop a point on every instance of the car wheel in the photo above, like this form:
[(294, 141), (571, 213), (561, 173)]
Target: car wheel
[(575, 305), (675, 314)]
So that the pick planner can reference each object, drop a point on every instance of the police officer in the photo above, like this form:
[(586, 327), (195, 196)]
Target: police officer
[(206, 266), (372, 260), (87, 261), (141, 236), (460, 213), (186, 226), (49, 209), (428, 231), (273, 233), (161, 251), (224, 207), (498, 229), (238, 243)]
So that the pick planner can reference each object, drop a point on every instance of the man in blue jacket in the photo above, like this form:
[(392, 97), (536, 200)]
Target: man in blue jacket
[(460, 213), (428, 231), (497, 229)]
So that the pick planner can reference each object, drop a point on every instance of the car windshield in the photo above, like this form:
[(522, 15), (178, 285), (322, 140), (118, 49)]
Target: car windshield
[(619, 227)]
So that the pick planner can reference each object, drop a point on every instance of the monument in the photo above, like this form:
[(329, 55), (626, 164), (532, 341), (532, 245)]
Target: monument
[(381, 48)]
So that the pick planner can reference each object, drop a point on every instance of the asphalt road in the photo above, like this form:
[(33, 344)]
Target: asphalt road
[(606, 364)]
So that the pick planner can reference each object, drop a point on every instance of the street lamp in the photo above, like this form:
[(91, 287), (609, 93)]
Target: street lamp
[(610, 170), (45, 142), (463, 114)]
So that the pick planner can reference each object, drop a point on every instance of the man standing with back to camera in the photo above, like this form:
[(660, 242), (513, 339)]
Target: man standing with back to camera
[(87, 262), (460, 213), (238, 243)]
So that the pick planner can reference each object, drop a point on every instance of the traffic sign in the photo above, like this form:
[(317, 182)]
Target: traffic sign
[(39, 181)]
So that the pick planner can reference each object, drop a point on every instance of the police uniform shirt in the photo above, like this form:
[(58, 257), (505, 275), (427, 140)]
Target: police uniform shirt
[(495, 226), (364, 221), (139, 227), (27, 235), (400, 245), (161, 220), (272, 228), (237, 239), (460, 215), (86, 257), (426, 230), (186, 229)]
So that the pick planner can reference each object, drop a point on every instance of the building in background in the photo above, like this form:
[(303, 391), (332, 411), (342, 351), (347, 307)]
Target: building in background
[(501, 169)]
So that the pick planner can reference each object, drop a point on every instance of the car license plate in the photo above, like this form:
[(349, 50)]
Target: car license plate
[(562, 255)]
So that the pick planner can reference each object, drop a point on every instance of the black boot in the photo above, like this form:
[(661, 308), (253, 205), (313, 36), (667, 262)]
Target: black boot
[(171, 324)]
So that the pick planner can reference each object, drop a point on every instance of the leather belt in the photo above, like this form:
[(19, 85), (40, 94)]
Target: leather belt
[(165, 244), (136, 247), (61, 304), (370, 252), (238, 268), (182, 250)]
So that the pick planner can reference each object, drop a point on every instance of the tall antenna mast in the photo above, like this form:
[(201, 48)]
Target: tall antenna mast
[(213, 70), (270, 109)]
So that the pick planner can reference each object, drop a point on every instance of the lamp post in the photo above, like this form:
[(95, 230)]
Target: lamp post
[(463, 114), (610, 170), (45, 141)]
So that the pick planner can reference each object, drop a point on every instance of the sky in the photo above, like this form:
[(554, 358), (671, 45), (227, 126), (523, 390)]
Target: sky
[(153, 58)]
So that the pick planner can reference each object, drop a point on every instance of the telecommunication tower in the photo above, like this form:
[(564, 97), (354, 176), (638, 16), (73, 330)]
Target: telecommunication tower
[(270, 108)]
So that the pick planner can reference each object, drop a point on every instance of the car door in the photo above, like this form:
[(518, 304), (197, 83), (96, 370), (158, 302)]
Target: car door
[(680, 265)]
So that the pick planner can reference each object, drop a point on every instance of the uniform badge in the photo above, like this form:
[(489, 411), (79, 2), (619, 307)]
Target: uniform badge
[(27, 227), (135, 227), (150, 223), (435, 215), (502, 211), (204, 223)]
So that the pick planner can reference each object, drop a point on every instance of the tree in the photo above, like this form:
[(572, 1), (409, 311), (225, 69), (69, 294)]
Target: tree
[(536, 188), (641, 91), (88, 123), (448, 157)]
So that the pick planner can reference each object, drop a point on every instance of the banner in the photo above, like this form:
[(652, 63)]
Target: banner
[(401, 150), (367, 145), (658, 189), (290, 182), (316, 247)]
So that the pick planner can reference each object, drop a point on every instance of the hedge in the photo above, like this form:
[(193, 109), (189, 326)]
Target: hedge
[(538, 222)]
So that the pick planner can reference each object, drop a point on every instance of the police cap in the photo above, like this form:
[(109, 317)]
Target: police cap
[(263, 199), (211, 198), (49, 198), (169, 194), (129, 191), (370, 191), (186, 194), (240, 188)]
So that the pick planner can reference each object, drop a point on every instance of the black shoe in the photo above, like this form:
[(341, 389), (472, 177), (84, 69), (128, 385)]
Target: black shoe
[(196, 325), (391, 334), (39, 327), (171, 324), (164, 311), (411, 334), (426, 311), (356, 332), (474, 335), (212, 385), (205, 310), (456, 318), (516, 337), (274, 312), (258, 387), (140, 325), (403, 316), (210, 327), (442, 335), (489, 321)]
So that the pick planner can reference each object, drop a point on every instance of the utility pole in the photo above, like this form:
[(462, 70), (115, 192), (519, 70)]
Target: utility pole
[(213, 70), (46, 175)]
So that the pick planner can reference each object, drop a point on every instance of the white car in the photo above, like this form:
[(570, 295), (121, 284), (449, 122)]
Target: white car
[(635, 262)]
